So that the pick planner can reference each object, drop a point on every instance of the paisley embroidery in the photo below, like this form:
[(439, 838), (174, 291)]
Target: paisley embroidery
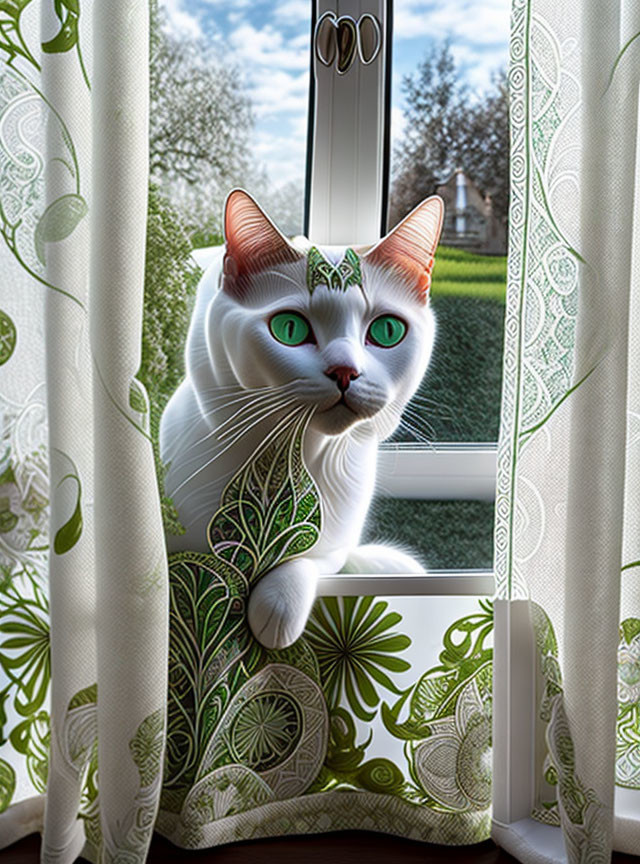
[(337, 277)]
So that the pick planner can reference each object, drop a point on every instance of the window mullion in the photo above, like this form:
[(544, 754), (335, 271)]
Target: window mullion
[(349, 121)]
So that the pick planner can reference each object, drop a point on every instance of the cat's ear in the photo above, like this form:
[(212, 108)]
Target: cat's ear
[(253, 242), (409, 248)]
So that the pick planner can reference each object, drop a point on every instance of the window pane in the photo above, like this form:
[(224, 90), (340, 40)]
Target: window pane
[(442, 535), (234, 79), (450, 136)]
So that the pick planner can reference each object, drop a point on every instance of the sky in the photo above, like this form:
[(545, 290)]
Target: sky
[(269, 40)]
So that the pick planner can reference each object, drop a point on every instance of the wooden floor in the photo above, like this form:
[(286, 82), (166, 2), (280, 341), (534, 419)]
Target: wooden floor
[(348, 847)]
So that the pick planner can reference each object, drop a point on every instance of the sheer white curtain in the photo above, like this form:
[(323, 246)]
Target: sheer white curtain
[(83, 589), (568, 504)]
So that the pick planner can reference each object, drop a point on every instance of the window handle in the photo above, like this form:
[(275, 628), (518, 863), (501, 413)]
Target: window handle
[(338, 40)]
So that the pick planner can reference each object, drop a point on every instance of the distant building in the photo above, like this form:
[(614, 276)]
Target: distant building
[(469, 221)]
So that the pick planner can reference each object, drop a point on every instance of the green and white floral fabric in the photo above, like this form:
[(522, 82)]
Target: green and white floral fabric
[(568, 502), (83, 588), (367, 721)]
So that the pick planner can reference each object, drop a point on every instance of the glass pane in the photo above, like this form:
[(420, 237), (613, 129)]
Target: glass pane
[(442, 535), (229, 108), (450, 136)]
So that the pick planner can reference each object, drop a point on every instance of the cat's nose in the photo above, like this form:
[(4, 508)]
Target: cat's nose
[(342, 375)]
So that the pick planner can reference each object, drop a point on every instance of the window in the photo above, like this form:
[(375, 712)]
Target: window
[(245, 67), (444, 129), (424, 112)]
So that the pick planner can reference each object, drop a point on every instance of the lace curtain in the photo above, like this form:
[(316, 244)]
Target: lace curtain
[(77, 481), (76, 453), (568, 501)]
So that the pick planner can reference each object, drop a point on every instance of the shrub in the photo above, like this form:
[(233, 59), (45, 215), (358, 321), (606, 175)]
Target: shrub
[(171, 278)]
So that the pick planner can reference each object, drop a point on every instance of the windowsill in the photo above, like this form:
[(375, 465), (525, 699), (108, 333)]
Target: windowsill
[(446, 583), (439, 472)]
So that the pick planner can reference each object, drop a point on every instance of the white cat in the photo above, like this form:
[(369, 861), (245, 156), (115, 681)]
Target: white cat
[(280, 326)]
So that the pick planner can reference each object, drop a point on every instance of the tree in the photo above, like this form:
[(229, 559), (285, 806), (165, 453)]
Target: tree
[(200, 123), (446, 129), (486, 153), (285, 206)]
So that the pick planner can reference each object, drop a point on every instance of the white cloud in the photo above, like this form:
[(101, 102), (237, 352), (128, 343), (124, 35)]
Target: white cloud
[(284, 157), (481, 24), (236, 4), (398, 123), (274, 59), (267, 47), (477, 67), (277, 92), (293, 11), (478, 33), (179, 21), (276, 69)]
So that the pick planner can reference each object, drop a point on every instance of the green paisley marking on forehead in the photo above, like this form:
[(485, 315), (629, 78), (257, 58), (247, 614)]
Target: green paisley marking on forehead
[(337, 277)]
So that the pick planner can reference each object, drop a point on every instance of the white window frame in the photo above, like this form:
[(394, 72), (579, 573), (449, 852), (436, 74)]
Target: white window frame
[(347, 182)]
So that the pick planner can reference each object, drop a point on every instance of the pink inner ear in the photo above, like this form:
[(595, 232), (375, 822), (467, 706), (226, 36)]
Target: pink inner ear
[(411, 246), (253, 242)]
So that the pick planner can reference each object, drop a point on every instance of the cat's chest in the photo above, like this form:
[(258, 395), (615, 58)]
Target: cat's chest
[(344, 472)]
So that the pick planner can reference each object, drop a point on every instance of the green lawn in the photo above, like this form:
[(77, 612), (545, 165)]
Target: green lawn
[(442, 535), (457, 272), (458, 400)]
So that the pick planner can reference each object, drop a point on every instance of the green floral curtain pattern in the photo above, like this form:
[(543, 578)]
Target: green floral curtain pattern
[(334, 731), (568, 505), (82, 561), (305, 740)]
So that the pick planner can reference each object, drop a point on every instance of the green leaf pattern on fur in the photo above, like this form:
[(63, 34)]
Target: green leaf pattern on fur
[(269, 512), (337, 277), (249, 727)]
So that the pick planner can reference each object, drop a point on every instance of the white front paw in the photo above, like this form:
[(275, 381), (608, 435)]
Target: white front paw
[(280, 603)]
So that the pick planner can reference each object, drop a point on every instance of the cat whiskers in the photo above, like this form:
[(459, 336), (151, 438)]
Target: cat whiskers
[(418, 422), (436, 410), (207, 405), (239, 431), (248, 423), (262, 402), (250, 400), (220, 447), (405, 419), (301, 414)]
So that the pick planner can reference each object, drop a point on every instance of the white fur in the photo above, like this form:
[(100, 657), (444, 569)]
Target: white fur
[(240, 382)]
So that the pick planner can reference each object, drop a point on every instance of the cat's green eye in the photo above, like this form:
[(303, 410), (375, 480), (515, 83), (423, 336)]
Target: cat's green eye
[(290, 328), (386, 331)]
